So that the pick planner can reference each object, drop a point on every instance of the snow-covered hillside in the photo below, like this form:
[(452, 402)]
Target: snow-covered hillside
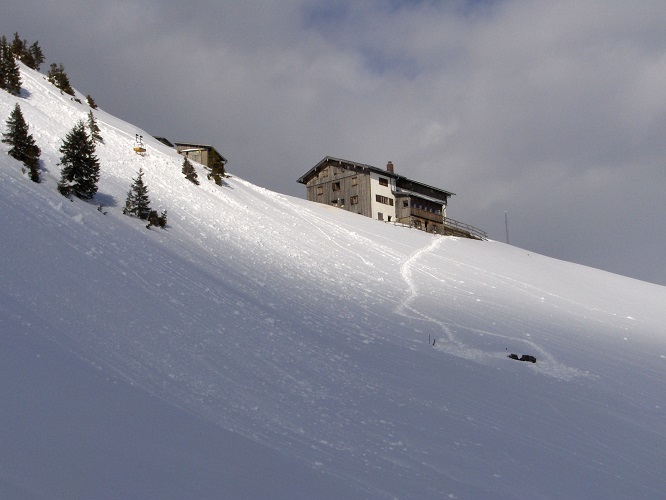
[(266, 347)]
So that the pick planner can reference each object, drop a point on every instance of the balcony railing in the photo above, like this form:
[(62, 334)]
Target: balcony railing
[(469, 231), (453, 226)]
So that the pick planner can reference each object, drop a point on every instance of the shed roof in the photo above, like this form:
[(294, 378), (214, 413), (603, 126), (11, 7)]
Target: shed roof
[(193, 146)]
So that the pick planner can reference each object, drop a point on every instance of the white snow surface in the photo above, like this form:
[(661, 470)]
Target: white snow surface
[(263, 346)]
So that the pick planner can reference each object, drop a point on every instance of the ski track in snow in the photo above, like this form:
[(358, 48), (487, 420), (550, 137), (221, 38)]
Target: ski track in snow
[(454, 344), (320, 224)]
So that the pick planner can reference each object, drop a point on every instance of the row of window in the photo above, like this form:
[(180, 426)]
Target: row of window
[(427, 208), (340, 202), (384, 199)]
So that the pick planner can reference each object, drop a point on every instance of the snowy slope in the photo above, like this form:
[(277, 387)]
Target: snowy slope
[(266, 347)]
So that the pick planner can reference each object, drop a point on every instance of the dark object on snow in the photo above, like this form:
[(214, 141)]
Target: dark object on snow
[(524, 357)]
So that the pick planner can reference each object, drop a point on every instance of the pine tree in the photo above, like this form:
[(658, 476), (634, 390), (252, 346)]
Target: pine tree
[(31, 56), (52, 74), (26, 58), (18, 46), (57, 76), (91, 102), (10, 74), (129, 203), (138, 202), (37, 56), (80, 172), (94, 129), (189, 171), (157, 220), (23, 146), (3, 71), (217, 173)]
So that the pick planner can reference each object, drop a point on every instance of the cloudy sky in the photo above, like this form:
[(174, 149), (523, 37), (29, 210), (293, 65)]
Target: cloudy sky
[(553, 113)]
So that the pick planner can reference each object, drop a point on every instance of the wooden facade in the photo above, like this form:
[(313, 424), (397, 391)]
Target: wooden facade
[(377, 193)]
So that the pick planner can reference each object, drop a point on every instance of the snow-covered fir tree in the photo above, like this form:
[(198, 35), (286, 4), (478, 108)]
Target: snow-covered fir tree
[(10, 74), (18, 46), (57, 76), (94, 128), (34, 56), (138, 202), (80, 172), (30, 55), (22, 144), (189, 171), (91, 102)]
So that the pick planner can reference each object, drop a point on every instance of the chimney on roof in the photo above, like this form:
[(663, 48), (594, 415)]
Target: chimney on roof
[(389, 167)]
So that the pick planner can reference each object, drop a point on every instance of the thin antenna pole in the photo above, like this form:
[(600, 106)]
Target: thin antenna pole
[(506, 225)]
